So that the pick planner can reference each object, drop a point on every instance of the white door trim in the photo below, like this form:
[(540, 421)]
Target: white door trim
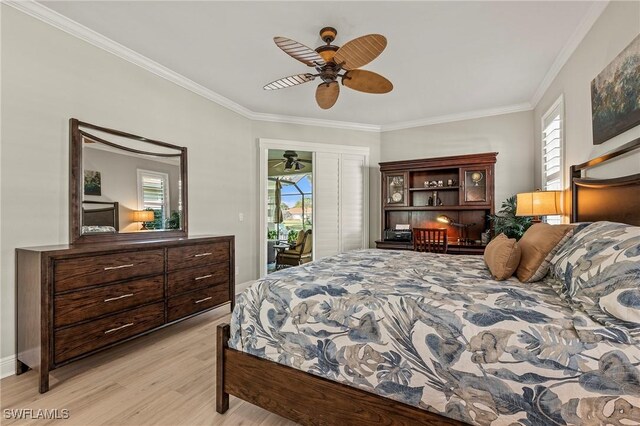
[(264, 144)]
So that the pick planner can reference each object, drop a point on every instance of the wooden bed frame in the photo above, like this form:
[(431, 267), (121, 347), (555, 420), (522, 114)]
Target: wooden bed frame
[(105, 216), (614, 199), (313, 400)]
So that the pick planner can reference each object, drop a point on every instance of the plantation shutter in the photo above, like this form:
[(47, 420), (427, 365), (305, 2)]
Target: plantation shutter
[(552, 153), (153, 193), (153, 190)]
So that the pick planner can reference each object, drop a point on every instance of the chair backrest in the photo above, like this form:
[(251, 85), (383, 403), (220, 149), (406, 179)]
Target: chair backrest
[(308, 242), (303, 242), (433, 240)]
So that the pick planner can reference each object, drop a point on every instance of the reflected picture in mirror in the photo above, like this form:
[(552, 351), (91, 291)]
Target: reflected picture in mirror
[(130, 185), (92, 183)]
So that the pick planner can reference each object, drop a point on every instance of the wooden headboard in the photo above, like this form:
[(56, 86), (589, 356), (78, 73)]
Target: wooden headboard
[(615, 199), (104, 216)]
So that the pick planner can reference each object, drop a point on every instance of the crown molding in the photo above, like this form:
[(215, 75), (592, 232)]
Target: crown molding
[(570, 46), (275, 118), (470, 115), (61, 22)]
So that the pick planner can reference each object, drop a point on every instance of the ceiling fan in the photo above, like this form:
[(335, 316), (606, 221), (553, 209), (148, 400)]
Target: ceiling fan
[(291, 161), (330, 60)]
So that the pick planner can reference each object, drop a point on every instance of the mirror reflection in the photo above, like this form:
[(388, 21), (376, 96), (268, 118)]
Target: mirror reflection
[(130, 186)]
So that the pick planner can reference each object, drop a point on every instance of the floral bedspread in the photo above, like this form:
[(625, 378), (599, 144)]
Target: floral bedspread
[(436, 332)]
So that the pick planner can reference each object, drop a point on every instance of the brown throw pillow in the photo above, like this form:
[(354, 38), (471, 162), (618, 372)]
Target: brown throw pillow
[(539, 244), (502, 256)]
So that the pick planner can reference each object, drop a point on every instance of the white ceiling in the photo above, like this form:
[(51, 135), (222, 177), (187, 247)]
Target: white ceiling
[(444, 58)]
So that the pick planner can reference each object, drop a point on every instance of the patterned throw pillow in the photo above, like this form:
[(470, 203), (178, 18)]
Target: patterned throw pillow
[(599, 268)]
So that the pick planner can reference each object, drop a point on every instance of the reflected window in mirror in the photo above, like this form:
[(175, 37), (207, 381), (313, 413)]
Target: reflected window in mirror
[(154, 193)]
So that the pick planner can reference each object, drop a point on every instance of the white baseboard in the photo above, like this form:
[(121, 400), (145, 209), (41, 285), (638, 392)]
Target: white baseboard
[(7, 366)]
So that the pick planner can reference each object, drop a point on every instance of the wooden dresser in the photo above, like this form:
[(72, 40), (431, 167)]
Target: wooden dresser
[(73, 301)]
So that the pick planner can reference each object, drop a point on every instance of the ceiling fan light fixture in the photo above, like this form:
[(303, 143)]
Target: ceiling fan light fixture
[(333, 62), (327, 52)]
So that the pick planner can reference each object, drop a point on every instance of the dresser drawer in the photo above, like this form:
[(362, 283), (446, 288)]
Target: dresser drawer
[(81, 272), (198, 255), (86, 304), (192, 279), (196, 301), (77, 340)]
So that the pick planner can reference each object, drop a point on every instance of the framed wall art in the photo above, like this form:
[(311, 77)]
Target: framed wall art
[(615, 95)]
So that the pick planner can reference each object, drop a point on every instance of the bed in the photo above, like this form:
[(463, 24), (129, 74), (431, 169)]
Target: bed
[(391, 337), (100, 217)]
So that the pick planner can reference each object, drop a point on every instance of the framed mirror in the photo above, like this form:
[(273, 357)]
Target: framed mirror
[(124, 187)]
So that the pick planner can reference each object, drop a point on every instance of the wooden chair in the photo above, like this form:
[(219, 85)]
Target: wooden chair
[(432, 240), (299, 254)]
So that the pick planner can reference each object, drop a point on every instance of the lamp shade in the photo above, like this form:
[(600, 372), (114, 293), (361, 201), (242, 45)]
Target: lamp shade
[(142, 215), (444, 219), (538, 203)]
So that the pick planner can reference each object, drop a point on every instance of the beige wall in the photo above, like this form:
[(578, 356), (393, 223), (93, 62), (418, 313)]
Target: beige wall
[(612, 32), (511, 135), (49, 76)]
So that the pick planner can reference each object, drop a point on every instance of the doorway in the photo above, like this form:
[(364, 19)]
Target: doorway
[(335, 181), (289, 208)]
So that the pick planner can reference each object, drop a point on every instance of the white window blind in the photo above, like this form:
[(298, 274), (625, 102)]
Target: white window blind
[(153, 191), (552, 152)]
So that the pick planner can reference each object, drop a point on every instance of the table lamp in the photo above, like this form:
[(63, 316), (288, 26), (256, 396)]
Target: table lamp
[(463, 226), (538, 203), (143, 216)]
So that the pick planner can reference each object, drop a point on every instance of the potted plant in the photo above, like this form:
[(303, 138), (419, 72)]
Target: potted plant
[(506, 222)]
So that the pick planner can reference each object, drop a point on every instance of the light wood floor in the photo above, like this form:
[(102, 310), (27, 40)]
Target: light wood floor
[(165, 378)]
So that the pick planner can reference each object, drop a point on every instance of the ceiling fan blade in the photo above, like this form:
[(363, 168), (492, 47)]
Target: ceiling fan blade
[(360, 51), (278, 164), (299, 51), (327, 94), (367, 81), (292, 80)]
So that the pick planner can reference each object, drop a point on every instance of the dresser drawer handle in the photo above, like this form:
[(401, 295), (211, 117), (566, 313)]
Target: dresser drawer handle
[(202, 254), (109, 268), (203, 277), (118, 328), (119, 297), (202, 300)]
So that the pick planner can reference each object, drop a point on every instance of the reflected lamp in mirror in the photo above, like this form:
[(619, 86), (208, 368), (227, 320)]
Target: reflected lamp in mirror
[(463, 226), (143, 216), (538, 203)]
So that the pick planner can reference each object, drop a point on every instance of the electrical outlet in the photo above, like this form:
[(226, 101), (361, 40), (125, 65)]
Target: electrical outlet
[(241, 217)]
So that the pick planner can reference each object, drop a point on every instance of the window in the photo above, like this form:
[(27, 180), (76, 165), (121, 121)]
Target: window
[(552, 152), (153, 194)]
